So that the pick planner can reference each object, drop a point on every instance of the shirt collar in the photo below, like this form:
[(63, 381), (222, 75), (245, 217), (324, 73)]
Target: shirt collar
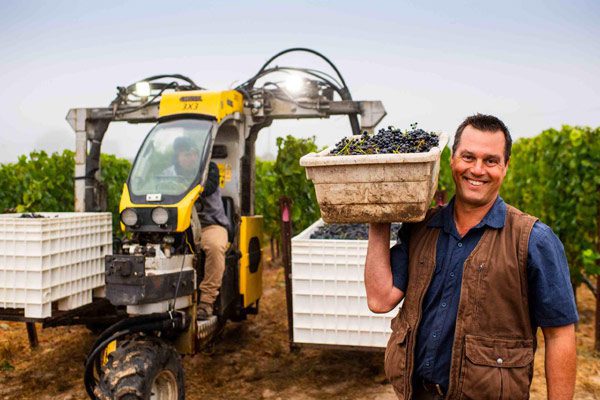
[(494, 218)]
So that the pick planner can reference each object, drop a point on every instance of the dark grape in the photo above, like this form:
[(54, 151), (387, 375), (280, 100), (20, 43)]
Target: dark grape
[(388, 141), (347, 231)]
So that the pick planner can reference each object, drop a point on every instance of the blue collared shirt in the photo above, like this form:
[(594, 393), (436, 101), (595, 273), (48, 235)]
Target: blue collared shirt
[(550, 293)]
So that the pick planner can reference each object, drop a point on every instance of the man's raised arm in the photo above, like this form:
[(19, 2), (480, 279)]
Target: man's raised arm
[(382, 295)]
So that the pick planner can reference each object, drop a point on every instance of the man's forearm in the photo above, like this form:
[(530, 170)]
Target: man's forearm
[(382, 296), (561, 360)]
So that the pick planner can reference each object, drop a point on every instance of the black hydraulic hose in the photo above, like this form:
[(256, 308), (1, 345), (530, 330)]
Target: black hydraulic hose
[(176, 76), (129, 322), (338, 90), (88, 375), (344, 92), (168, 321), (149, 102), (307, 50)]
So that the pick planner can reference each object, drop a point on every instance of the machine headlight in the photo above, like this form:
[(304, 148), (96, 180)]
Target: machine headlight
[(160, 216), (129, 217), (142, 89), (295, 84)]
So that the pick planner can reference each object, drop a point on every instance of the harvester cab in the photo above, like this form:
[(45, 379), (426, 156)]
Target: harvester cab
[(154, 272), (159, 208)]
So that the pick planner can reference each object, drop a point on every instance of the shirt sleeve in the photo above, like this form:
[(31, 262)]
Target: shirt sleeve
[(212, 180), (551, 298), (399, 259)]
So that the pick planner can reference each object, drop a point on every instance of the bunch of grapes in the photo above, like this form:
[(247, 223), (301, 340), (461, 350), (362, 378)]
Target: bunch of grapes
[(388, 141), (347, 231)]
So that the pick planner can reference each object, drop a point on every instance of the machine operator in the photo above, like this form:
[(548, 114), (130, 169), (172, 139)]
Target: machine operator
[(214, 222)]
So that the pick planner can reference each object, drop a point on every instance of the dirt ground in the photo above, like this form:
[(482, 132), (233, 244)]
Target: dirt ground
[(251, 361)]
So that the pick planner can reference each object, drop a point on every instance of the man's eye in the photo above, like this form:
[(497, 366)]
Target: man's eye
[(491, 162), (468, 158)]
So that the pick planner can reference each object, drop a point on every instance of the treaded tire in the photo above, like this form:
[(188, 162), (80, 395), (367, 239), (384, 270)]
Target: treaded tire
[(133, 368)]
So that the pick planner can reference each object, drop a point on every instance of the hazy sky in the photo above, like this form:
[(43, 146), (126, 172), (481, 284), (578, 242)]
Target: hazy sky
[(534, 64)]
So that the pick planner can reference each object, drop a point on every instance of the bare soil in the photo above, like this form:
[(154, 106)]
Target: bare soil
[(251, 360)]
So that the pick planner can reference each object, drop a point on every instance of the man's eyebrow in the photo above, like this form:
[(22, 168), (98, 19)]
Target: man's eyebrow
[(491, 157), (470, 153)]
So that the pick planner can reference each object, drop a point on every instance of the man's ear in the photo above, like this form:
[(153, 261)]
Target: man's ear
[(506, 168)]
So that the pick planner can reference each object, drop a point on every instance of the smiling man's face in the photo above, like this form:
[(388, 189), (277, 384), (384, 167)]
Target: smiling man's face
[(478, 166)]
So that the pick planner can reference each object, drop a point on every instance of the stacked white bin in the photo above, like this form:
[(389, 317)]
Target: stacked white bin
[(57, 258), (328, 293)]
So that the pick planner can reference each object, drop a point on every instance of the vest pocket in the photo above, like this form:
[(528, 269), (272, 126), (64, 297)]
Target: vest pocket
[(396, 355), (498, 369)]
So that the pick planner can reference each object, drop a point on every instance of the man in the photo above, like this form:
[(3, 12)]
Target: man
[(213, 222), (477, 278), (213, 241)]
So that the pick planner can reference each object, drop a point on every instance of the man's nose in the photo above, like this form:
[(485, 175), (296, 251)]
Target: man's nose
[(478, 168)]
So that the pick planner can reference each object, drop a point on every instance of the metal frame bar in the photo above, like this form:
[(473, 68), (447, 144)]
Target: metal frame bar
[(94, 312), (285, 207), (90, 125)]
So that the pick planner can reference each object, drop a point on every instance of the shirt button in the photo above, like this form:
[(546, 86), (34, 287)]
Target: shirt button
[(427, 364), (459, 244), (434, 334), (499, 361), (443, 305), (451, 274)]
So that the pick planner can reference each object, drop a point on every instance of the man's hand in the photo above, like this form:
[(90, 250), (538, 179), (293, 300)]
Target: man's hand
[(382, 296), (561, 360)]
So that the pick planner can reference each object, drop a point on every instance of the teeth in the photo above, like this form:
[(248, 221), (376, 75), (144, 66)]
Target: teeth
[(475, 183)]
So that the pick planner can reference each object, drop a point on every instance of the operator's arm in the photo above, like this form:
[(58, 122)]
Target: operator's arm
[(561, 360), (553, 308), (382, 294), (212, 180)]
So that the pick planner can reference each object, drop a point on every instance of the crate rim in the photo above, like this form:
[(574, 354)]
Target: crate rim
[(324, 159)]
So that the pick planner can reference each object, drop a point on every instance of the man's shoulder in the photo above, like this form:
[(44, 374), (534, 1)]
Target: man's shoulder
[(510, 209), (543, 236), (432, 212), (513, 215), (410, 228)]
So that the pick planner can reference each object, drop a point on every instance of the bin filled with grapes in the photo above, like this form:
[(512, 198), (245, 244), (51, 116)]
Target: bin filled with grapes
[(389, 176)]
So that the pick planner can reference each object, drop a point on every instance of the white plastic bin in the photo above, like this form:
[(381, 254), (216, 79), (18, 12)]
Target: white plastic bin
[(374, 187), (57, 258), (328, 294)]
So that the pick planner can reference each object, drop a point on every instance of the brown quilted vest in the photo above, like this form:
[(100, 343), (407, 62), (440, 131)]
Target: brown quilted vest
[(494, 343)]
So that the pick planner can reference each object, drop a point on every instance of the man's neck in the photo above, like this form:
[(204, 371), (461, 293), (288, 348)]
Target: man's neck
[(466, 216)]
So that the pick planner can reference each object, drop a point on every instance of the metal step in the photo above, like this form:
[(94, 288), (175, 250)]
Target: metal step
[(207, 327)]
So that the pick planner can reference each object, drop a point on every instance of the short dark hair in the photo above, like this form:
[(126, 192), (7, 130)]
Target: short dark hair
[(486, 123), (183, 143)]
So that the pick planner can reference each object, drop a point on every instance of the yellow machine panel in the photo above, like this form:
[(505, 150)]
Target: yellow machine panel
[(184, 206), (112, 346), (214, 104), (224, 174), (251, 261)]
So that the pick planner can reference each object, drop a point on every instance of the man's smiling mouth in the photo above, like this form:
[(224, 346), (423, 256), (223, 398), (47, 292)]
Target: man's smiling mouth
[(474, 182)]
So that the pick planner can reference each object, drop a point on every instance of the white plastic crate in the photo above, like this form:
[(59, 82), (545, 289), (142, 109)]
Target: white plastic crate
[(329, 296), (58, 258)]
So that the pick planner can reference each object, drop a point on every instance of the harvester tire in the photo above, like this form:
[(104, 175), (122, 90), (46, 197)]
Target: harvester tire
[(142, 369)]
